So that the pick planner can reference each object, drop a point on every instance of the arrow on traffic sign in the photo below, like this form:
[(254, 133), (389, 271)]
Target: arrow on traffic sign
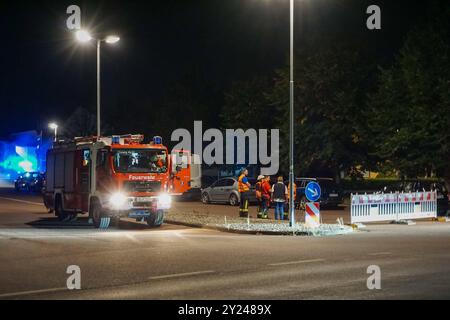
[(314, 192)]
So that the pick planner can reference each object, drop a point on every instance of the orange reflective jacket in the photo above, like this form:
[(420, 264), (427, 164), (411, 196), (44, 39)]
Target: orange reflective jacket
[(258, 190), (295, 191), (242, 187)]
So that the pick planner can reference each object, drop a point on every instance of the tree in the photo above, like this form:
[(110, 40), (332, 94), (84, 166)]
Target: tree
[(331, 85), (330, 90), (82, 123), (247, 105), (411, 108)]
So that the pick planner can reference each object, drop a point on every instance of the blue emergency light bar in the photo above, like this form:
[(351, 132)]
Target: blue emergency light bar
[(157, 140), (115, 140)]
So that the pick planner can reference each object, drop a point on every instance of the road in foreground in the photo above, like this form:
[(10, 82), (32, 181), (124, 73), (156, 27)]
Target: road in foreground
[(173, 262)]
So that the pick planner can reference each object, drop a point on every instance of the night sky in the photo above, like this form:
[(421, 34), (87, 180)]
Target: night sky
[(45, 75)]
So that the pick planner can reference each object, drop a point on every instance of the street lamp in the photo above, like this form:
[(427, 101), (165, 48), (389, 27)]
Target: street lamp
[(54, 127), (112, 39), (85, 36), (291, 116)]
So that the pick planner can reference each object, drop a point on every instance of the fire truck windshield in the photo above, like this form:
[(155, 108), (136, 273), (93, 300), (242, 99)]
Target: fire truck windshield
[(140, 161)]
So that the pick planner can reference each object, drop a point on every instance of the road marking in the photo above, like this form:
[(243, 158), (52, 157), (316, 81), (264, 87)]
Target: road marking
[(178, 275), (379, 254), (27, 293), (295, 262), (132, 238), (179, 235), (23, 201)]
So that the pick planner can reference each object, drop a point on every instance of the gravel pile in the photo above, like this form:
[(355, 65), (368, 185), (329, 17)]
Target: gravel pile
[(255, 225)]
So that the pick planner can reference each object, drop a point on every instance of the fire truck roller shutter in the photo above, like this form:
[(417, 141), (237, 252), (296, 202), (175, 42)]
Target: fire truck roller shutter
[(50, 174), (59, 170), (69, 172)]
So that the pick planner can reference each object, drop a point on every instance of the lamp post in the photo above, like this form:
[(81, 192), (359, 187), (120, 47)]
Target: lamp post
[(291, 116), (84, 36), (54, 127)]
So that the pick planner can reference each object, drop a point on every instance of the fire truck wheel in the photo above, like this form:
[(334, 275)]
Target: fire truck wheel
[(100, 221), (156, 219)]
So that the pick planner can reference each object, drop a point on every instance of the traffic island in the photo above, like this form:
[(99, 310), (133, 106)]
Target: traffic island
[(300, 229), (255, 226)]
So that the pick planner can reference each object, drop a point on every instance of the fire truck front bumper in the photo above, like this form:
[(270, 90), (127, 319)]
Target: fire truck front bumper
[(137, 207)]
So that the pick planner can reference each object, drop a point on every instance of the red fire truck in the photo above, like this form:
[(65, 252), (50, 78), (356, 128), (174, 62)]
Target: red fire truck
[(109, 178)]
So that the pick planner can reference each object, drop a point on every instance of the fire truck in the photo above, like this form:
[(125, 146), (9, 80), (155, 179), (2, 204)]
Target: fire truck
[(110, 178)]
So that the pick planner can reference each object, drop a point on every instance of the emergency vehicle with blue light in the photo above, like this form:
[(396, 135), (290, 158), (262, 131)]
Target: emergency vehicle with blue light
[(110, 178)]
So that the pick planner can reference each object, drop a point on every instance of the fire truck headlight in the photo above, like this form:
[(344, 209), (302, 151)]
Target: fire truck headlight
[(118, 200), (165, 200)]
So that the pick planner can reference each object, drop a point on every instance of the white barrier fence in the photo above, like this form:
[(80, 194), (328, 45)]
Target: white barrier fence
[(393, 206)]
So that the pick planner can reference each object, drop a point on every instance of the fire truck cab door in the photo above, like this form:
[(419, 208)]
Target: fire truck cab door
[(103, 177)]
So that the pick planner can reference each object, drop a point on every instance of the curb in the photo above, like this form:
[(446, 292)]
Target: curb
[(223, 229), (407, 222), (247, 232), (358, 226)]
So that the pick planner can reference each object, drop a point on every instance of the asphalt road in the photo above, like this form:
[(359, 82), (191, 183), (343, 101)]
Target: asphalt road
[(133, 262)]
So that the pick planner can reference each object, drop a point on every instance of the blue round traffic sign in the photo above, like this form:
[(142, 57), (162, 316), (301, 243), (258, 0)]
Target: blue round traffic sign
[(313, 191)]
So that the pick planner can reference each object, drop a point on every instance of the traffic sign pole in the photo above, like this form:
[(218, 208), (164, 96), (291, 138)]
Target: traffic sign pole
[(291, 116)]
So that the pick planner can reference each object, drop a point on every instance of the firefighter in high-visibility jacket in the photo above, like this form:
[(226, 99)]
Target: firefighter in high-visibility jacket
[(244, 190)]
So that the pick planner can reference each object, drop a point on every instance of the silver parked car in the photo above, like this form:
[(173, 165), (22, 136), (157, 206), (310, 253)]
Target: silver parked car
[(225, 190)]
